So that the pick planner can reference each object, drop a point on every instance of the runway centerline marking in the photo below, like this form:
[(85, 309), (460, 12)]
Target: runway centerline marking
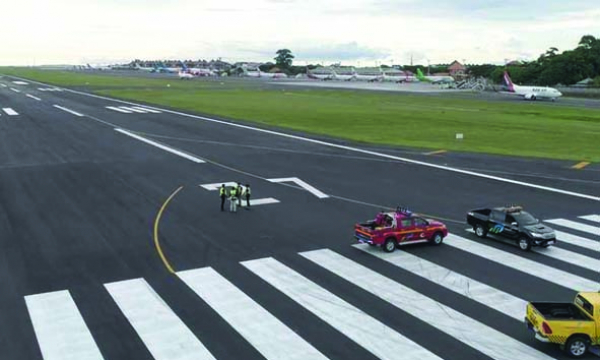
[(349, 148), (33, 97), (156, 223), (68, 110), (161, 146)]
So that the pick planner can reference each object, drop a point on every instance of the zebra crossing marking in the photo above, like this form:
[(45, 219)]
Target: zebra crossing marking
[(530, 267), (594, 218), (146, 109), (50, 89), (59, 327), (273, 339), (161, 330), (115, 108), (577, 240), (487, 295), (344, 317), (575, 225), (467, 330)]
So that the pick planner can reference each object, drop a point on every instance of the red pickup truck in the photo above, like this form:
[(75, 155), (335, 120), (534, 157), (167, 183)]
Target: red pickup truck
[(392, 229)]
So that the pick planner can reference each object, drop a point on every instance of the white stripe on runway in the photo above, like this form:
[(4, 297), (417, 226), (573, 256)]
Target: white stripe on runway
[(15, 90), (160, 146), (263, 331), (522, 264), (577, 240), (566, 256), (376, 337), (33, 97), (443, 318), (10, 111), (263, 201), (496, 299), (163, 333), (594, 218), (68, 110), (60, 330), (146, 110), (118, 109), (3, 85), (132, 109), (576, 225)]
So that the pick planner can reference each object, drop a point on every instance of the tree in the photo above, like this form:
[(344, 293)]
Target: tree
[(284, 58)]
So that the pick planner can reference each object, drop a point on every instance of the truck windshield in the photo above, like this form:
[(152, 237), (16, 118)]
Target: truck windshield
[(524, 218)]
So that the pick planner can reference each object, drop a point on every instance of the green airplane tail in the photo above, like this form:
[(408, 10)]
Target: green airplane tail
[(420, 75)]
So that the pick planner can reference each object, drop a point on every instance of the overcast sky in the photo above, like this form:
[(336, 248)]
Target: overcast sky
[(359, 32)]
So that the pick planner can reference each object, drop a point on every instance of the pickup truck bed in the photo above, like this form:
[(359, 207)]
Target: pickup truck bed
[(559, 311)]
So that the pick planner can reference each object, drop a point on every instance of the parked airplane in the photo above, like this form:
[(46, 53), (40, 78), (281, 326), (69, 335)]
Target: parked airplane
[(185, 75), (319, 74), (531, 92), (398, 76), (144, 68), (434, 79), (98, 67), (260, 74), (370, 76), (343, 75), (197, 71)]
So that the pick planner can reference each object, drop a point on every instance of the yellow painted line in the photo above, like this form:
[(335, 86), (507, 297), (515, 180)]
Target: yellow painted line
[(436, 152), (580, 165), (156, 222)]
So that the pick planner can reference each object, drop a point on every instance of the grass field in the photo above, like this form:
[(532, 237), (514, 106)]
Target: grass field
[(431, 122)]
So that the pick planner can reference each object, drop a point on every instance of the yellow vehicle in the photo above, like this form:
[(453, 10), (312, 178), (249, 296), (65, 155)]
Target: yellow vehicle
[(574, 326)]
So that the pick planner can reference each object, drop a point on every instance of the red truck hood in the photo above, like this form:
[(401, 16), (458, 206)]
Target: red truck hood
[(436, 223)]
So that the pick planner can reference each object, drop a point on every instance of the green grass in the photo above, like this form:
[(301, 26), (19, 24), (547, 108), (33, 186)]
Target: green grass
[(429, 122)]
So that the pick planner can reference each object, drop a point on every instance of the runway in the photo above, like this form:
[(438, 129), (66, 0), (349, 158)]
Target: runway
[(100, 199)]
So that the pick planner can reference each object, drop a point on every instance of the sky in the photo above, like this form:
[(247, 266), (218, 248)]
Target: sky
[(353, 32)]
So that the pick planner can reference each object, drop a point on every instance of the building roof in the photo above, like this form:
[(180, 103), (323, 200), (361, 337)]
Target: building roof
[(456, 66)]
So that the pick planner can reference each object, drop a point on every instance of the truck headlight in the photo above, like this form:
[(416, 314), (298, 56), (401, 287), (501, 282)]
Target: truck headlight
[(537, 235)]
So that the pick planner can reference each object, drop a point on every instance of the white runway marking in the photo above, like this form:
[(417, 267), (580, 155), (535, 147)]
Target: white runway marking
[(496, 299), (33, 97), (161, 146), (263, 331), (132, 109), (50, 89), (263, 201), (10, 111), (363, 151), (594, 218), (567, 256), (303, 184), (163, 333), (530, 267), (20, 82), (146, 109), (471, 332), (60, 330), (114, 108), (577, 240), (341, 315), (15, 90), (68, 110), (3, 85), (576, 226)]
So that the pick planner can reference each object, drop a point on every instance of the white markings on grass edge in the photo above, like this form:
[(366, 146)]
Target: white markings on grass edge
[(60, 330), (529, 267), (349, 148), (344, 317), (68, 110), (496, 299), (161, 146), (263, 331), (479, 336), (163, 333), (33, 97)]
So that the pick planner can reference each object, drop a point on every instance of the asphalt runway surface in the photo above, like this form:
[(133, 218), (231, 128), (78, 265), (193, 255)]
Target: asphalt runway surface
[(85, 181)]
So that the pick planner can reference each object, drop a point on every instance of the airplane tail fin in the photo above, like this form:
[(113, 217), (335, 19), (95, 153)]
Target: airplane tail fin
[(508, 82), (420, 74)]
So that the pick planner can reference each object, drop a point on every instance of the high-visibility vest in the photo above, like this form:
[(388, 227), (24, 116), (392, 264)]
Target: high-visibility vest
[(221, 191), (233, 192)]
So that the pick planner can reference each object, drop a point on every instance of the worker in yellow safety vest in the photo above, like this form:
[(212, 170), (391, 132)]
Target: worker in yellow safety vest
[(233, 198), (223, 195)]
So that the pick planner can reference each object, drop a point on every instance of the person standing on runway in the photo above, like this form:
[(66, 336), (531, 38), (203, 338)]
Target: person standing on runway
[(247, 193), (233, 198), (223, 195), (239, 194)]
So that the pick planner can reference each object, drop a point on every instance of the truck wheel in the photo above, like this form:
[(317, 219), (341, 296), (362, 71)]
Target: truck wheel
[(437, 239), (576, 346), (389, 245), (524, 243), (480, 231)]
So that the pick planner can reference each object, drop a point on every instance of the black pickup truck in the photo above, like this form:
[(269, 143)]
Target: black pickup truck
[(511, 223)]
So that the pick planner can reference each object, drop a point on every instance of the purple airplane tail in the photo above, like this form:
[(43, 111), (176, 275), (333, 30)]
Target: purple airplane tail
[(508, 82)]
